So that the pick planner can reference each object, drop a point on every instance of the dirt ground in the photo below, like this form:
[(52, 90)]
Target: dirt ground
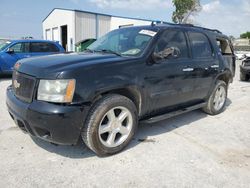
[(191, 150)]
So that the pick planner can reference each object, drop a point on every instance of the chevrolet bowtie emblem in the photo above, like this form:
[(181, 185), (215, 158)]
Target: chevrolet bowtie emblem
[(16, 84)]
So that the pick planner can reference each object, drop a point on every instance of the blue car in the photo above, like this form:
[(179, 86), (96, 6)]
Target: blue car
[(12, 51)]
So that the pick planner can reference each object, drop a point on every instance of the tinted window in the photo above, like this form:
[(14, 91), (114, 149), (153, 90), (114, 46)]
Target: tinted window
[(43, 47), (20, 47), (175, 39), (200, 45)]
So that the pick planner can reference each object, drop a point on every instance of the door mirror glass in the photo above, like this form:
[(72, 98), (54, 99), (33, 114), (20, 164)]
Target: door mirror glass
[(173, 52)]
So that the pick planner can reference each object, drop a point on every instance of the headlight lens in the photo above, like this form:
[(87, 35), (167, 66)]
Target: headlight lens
[(58, 91)]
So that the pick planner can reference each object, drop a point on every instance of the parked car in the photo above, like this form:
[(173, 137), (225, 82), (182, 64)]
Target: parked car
[(12, 51), (130, 75), (240, 55), (84, 44), (245, 69)]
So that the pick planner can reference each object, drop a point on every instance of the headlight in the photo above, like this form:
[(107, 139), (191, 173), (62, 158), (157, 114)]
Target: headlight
[(58, 91)]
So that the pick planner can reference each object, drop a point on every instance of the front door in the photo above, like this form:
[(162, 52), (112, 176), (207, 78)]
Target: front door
[(16, 52), (170, 81)]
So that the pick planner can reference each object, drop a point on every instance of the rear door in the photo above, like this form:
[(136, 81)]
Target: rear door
[(206, 65), (170, 81), (43, 48), (20, 51)]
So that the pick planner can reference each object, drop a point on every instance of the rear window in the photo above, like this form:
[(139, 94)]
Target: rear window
[(43, 47), (200, 45)]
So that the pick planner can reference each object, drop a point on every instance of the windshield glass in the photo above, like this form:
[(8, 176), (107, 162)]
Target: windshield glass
[(126, 41), (3, 45)]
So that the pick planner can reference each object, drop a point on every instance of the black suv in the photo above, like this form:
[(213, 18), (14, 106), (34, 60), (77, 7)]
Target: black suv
[(146, 73), (245, 69)]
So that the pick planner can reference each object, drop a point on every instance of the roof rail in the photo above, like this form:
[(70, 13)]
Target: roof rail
[(213, 30), (187, 25)]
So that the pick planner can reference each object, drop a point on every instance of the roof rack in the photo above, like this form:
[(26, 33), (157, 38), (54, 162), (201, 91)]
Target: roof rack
[(187, 25)]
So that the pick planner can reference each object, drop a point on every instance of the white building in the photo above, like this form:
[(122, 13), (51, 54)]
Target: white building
[(71, 26)]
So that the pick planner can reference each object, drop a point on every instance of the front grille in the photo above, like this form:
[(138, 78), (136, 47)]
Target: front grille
[(23, 86)]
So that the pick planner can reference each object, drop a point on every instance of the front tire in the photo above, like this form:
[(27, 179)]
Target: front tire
[(217, 99), (110, 125)]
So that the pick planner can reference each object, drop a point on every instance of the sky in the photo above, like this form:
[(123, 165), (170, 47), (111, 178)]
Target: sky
[(19, 18)]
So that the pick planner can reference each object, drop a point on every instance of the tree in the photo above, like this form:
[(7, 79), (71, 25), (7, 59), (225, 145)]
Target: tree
[(245, 35), (184, 9)]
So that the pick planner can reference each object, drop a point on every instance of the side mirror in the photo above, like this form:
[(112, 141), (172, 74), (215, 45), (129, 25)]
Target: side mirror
[(168, 52), (10, 51)]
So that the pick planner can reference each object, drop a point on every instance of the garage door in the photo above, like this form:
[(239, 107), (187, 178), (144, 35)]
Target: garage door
[(55, 34)]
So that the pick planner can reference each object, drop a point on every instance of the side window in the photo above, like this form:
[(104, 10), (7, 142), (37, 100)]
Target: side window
[(20, 47), (17, 47), (52, 47), (43, 47), (200, 45), (172, 38), (224, 46)]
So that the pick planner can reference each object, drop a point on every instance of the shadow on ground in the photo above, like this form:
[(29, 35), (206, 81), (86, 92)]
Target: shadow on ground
[(5, 77), (144, 131), (77, 151)]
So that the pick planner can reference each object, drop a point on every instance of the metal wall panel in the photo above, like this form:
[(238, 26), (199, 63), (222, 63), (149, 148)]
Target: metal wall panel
[(85, 26), (103, 25)]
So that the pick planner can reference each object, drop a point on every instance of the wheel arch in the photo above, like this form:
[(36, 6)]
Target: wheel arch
[(131, 92), (226, 76)]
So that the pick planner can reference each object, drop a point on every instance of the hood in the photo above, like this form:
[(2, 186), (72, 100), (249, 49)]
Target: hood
[(51, 66)]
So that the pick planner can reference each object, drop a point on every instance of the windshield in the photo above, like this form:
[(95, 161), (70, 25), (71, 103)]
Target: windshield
[(3, 45), (127, 41)]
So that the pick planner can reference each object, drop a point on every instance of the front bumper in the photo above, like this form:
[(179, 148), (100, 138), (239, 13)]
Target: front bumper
[(245, 70), (54, 123)]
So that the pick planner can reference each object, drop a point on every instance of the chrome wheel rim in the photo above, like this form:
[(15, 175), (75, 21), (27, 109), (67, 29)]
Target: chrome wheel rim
[(219, 98), (115, 127)]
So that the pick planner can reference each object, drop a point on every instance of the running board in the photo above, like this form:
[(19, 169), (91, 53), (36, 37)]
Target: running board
[(172, 114)]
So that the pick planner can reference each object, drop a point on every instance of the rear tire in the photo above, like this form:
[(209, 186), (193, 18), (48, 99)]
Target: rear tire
[(110, 125), (217, 99)]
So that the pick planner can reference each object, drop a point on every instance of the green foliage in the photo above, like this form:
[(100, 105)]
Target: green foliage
[(245, 35), (185, 8)]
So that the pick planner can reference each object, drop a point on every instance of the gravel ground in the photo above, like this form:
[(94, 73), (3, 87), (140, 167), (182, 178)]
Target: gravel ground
[(191, 150)]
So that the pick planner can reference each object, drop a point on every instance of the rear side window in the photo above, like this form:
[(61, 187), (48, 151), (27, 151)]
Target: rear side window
[(43, 47), (200, 45), (173, 38)]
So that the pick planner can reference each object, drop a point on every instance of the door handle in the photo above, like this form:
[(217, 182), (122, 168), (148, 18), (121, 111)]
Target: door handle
[(188, 70), (215, 66)]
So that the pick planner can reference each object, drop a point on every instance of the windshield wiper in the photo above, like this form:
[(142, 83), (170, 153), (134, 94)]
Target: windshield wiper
[(109, 51), (89, 50)]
